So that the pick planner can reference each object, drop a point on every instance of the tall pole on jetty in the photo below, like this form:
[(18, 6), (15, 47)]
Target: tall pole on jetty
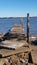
[(28, 27)]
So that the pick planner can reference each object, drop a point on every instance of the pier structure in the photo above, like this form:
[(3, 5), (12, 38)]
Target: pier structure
[(28, 27)]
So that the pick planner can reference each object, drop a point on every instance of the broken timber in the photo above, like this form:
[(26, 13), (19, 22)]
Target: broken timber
[(34, 54)]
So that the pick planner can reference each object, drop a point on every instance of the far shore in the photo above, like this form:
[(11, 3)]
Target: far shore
[(16, 17)]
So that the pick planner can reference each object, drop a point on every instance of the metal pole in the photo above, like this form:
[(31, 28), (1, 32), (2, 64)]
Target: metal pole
[(28, 27)]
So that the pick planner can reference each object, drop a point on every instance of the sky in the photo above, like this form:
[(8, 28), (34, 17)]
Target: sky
[(18, 8)]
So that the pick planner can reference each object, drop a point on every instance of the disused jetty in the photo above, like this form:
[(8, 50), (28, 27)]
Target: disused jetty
[(15, 48)]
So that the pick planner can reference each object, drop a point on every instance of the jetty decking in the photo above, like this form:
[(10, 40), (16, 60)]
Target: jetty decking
[(34, 53), (6, 52)]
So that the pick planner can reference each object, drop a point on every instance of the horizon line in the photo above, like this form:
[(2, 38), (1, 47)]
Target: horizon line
[(15, 16)]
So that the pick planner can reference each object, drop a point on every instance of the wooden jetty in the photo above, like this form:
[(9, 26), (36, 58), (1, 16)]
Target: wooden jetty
[(19, 44)]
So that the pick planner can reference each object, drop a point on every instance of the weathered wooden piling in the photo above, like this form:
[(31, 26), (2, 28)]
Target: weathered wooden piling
[(28, 27)]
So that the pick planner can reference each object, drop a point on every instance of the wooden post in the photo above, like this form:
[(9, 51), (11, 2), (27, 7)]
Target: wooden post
[(28, 27)]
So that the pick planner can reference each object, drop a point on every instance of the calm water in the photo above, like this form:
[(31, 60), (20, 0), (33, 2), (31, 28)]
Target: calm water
[(6, 24)]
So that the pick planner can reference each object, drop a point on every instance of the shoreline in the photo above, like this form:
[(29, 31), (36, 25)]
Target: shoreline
[(31, 38)]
